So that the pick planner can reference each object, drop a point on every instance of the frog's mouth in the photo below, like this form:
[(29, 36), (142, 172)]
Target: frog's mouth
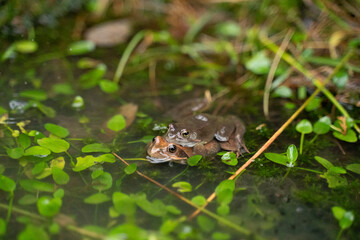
[(165, 159)]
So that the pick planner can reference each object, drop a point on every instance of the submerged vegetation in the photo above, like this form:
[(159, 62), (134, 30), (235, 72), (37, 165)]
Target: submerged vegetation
[(85, 85)]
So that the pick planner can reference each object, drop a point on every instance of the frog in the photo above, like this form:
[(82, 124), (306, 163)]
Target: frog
[(159, 151), (199, 129)]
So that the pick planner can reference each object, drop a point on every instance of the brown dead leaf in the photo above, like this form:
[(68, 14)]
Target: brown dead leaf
[(129, 112)]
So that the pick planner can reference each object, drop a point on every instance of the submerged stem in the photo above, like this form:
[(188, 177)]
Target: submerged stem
[(301, 142), (8, 216)]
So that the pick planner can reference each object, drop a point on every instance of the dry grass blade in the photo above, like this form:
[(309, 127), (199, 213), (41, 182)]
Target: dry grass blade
[(320, 87)]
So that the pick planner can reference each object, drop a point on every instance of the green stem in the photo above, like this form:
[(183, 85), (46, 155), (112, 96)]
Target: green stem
[(314, 138), (71, 158), (339, 234), (125, 57), (286, 174), (301, 142), (309, 170), (8, 216), (196, 27)]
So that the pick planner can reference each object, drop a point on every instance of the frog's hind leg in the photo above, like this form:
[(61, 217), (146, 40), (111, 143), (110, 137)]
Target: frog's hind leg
[(226, 128)]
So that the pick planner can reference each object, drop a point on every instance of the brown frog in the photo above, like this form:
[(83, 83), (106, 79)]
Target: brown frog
[(159, 151), (198, 130)]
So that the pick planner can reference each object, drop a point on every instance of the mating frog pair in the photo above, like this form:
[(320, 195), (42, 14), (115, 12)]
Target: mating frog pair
[(202, 134)]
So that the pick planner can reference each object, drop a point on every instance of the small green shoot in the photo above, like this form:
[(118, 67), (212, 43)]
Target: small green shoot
[(345, 218), (303, 127)]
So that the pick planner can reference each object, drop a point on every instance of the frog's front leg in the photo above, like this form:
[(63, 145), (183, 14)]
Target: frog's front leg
[(226, 128)]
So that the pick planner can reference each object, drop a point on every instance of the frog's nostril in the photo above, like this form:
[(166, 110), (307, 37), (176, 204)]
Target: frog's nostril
[(153, 140)]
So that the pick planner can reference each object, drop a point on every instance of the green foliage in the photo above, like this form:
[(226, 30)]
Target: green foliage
[(97, 198), (89, 160), (130, 169), (54, 144), (37, 151), (206, 224), (340, 79), (199, 200), (2, 227), (57, 130), (7, 184), (194, 160), (228, 158), (322, 126), (259, 63), (59, 176), (182, 186), (25, 46), (33, 232), (354, 167), (92, 77), (108, 86), (95, 147), (33, 185), (15, 153), (304, 127), (116, 123), (80, 47), (35, 94), (288, 159), (345, 218), (48, 206)]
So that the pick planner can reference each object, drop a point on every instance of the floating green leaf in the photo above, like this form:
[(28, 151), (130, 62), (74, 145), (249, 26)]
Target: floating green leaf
[(80, 47), (108, 86), (123, 203), (354, 167), (315, 103), (7, 184), (130, 169), (32, 185), (258, 63), (116, 123), (324, 162), (155, 208), (182, 186), (229, 158), (283, 92), (223, 209), (78, 102), (24, 140), (322, 126), (304, 126), (102, 182), (59, 176), (54, 144), (345, 218), (91, 78), (27, 199), (48, 206), (63, 88), (194, 160), (350, 136), (25, 46), (15, 153), (37, 151), (334, 179), (277, 158), (199, 200), (33, 232), (97, 198), (205, 223), (35, 94), (57, 130), (89, 160), (340, 79), (220, 236), (95, 147)]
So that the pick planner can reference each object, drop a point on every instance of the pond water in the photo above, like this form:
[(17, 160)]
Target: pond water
[(270, 201)]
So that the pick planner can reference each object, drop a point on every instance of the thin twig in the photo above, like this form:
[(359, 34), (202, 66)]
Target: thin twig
[(320, 87)]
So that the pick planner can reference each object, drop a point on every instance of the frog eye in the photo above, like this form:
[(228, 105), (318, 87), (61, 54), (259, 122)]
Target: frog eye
[(153, 140), (185, 133), (172, 148)]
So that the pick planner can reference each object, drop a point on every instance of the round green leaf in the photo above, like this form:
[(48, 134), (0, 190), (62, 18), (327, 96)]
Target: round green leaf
[(322, 126), (338, 212), (194, 160), (292, 155), (277, 158), (228, 29), (7, 184), (56, 130), (223, 209), (116, 123), (37, 151), (32, 232), (78, 102), (2, 227), (199, 200), (315, 103), (108, 86), (220, 236), (27, 199), (347, 220), (54, 144), (349, 137), (354, 167), (205, 223), (80, 47), (183, 186), (229, 158), (282, 92), (130, 169), (24, 141), (304, 126), (97, 198), (340, 79), (15, 153), (123, 204), (259, 63), (48, 206), (33, 185), (26, 46), (59, 193), (95, 147), (102, 182), (59, 176)]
